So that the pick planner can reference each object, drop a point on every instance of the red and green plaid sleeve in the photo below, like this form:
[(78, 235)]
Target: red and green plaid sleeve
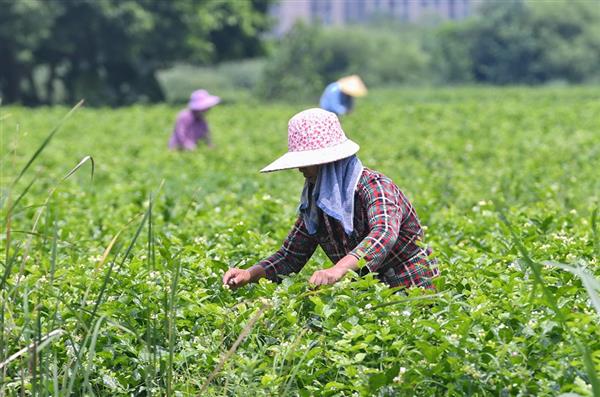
[(384, 212), (296, 250)]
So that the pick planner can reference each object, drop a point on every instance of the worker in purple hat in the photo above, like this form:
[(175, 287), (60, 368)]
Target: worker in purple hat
[(191, 125)]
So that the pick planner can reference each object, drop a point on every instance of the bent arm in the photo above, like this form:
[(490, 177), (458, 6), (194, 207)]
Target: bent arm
[(385, 218), (296, 250), (338, 102), (181, 139), (333, 100), (339, 107)]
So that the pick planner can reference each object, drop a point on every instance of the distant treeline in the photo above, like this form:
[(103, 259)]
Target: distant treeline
[(108, 51), (119, 52), (507, 42)]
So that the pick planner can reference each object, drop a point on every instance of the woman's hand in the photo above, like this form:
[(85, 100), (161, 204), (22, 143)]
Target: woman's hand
[(236, 278), (335, 273), (327, 276)]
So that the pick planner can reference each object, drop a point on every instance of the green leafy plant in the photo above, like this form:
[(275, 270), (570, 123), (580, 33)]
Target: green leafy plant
[(112, 286)]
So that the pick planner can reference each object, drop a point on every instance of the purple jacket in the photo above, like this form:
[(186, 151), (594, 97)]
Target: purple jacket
[(188, 130)]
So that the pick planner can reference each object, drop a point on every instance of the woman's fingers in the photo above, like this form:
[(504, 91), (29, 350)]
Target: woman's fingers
[(320, 277), (323, 277), (230, 276), (234, 282), (315, 278), (227, 276), (236, 278)]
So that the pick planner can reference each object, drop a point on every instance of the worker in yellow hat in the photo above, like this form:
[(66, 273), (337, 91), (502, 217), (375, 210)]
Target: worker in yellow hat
[(338, 96)]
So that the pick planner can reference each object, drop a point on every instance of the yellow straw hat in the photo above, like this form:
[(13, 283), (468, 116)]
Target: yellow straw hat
[(353, 86)]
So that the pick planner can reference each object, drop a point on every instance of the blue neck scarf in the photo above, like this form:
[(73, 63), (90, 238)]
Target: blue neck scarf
[(333, 193)]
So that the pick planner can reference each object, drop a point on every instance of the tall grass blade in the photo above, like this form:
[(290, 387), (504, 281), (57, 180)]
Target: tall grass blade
[(171, 322), (8, 267), (245, 332), (73, 375), (125, 257), (591, 285), (44, 206), (107, 252), (292, 374), (14, 203), (36, 359), (595, 235), (55, 382), (45, 143), (553, 303), (53, 252), (79, 165), (108, 249), (151, 331), (45, 341), (92, 354), (8, 223)]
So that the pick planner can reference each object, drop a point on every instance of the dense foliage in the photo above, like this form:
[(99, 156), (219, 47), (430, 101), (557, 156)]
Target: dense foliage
[(109, 51), (505, 42), (309, 57), (233, 81), (523, 42), (123, 271)]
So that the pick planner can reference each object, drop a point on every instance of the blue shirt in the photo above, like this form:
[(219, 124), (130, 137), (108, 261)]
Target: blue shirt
[(334, 100)]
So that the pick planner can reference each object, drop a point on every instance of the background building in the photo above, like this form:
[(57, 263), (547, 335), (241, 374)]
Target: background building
[(339, 12)]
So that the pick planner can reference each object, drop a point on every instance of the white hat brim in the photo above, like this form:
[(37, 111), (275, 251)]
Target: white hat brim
[(313, 157)]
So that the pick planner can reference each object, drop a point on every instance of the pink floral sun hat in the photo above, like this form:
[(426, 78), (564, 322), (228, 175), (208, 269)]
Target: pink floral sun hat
[(315, 136), (202, 100)]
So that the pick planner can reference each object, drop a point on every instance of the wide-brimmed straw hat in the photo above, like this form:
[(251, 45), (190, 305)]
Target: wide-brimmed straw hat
[(202, 100), (315, 136), (353, 86)]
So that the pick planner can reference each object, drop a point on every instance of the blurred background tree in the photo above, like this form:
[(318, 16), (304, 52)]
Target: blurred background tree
[(506, 42), (119, 52), (23, 27), (523, 42), (108, 51), (310, 57)]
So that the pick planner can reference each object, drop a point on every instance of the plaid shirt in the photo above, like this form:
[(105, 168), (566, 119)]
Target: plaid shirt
[(385, 237)]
